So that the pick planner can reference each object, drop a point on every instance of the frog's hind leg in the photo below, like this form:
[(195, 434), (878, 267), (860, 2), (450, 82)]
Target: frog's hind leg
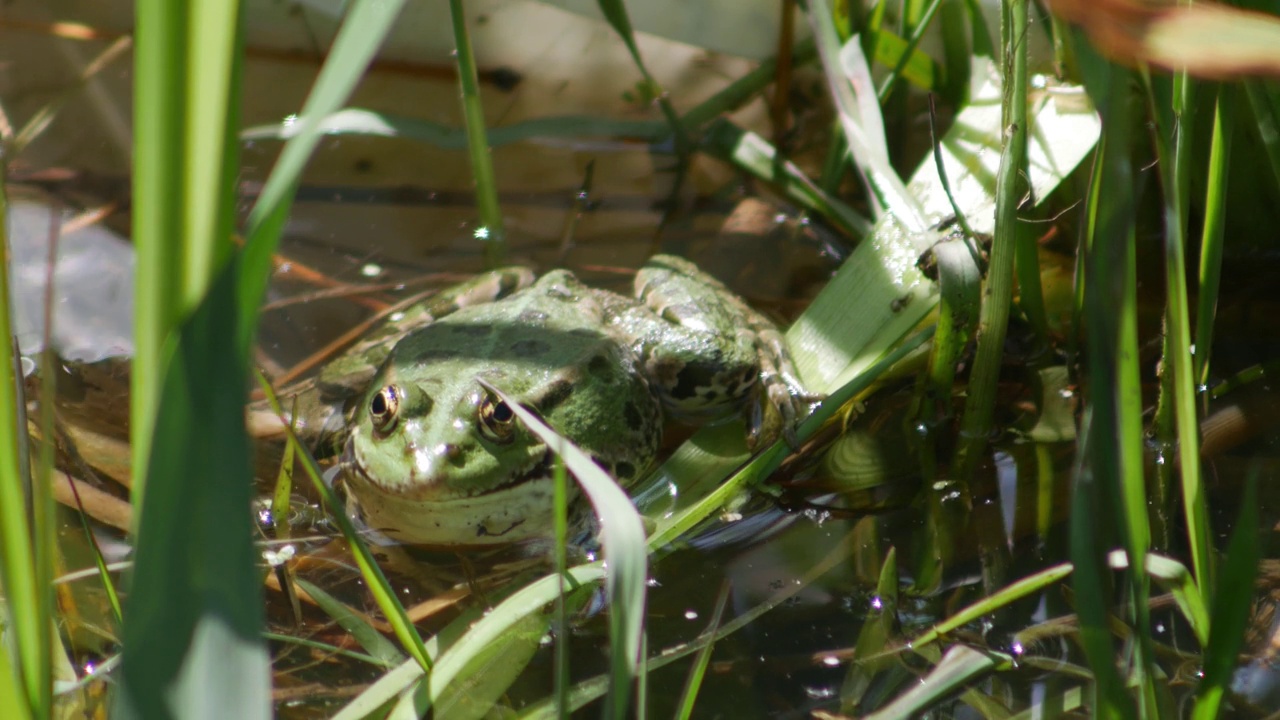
[(727, 354)]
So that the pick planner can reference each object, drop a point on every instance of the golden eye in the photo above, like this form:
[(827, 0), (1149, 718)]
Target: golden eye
[(383, 408), (497, 421)]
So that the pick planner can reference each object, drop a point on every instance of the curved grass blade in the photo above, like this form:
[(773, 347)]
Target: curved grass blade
[(378, 647), (451, 663), (622, 536), (366, 24), (488, 674), (957, 669)]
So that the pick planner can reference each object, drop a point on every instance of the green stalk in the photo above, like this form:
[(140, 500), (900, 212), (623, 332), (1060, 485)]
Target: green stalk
[(30, 631), (993, 320), (159, 74), (492, 232)]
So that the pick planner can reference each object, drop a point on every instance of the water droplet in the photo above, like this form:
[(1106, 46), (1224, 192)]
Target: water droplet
[(280, 556), (819, 693), (877, 603), (831, 661), (482, 233), (371, 270), (690, 614)]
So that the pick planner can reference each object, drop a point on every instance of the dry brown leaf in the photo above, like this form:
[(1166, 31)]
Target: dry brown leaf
[(1205, 39)]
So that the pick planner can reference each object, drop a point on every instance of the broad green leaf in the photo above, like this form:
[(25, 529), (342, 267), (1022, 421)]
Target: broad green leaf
[(192, 642)]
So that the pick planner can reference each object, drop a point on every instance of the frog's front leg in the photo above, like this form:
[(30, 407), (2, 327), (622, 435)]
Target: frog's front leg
[(712, 354)]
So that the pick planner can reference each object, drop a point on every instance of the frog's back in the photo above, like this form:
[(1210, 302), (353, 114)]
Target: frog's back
[(547, 346)]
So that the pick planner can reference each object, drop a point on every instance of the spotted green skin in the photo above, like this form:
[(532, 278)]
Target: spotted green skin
[(600, 368)]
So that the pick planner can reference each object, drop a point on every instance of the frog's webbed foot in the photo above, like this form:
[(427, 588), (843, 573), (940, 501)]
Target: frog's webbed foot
[(780, 402)]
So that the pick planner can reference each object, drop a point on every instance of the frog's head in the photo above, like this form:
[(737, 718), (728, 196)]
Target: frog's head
[(436, 438), (445, 462)]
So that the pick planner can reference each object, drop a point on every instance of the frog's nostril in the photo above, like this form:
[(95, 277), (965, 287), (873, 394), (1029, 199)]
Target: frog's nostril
[(453, 453)]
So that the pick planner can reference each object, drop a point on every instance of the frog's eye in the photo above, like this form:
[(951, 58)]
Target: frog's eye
[(497, 421), (383, 408)]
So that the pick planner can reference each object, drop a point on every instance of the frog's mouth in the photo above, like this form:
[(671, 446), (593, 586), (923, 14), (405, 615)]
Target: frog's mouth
[(437, 492), (515, 511)]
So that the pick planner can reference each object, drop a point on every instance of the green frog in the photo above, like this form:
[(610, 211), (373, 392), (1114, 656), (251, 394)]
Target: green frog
[(431, 457)]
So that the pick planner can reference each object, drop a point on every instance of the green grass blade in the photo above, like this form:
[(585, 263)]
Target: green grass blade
[(13, 697), (699, 670), (1235, 593), (29, 639), (956, 65), (211, 149), (1211, 239), (1178, 362), (907, 52), (560, 504), (1114, 450), (492, 233), (588, 690), (527, 601)]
